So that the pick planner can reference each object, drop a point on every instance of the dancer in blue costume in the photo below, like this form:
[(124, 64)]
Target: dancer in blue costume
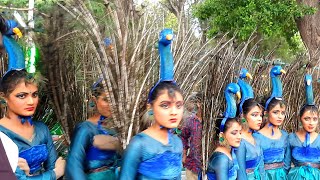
[(249, 153), (87, 159), (223, 162), (156, 153), (8, 165), (19, 92), (274, 142), (305, 143)]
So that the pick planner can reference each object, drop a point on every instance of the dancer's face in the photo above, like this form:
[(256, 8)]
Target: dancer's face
[(233, 134), (103, 106), (254, 118), (277, 114), (309, 121), (167, 109), (23, 100)]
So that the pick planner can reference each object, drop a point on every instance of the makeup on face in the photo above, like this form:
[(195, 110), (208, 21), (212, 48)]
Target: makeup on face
[(277, 114), (254, 118), (309, 121), (23, 100), (233, 135), (168, 110)]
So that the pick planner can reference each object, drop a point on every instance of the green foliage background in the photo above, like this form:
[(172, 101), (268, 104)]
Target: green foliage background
[(274, 21)]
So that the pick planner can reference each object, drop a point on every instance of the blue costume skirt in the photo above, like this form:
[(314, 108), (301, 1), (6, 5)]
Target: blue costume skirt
[(304, 173), (276, 174), (255, 175)]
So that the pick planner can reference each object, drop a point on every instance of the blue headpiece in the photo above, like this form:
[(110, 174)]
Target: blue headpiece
[(309, 90), (166, 58), (231, 109), (15, 53), (108, 42), (95, 84), (275, 72), (246, 89)]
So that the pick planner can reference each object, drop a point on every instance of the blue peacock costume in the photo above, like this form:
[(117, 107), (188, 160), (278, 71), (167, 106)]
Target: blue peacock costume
[(39, 151), (250, 156), (276, 152), (220, 166), (86, 160), (145, 157), (305, 155)]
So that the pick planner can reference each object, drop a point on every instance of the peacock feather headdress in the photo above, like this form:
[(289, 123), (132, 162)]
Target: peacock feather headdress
[(166, 58), (275, 73), (15, 53), (246, 89), (231, 90)]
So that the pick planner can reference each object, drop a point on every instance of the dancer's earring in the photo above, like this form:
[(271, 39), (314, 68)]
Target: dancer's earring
[(150, 113), (92, 104), (222, 140), (265, 117), (300, 125), (4, 104), (243, 120)]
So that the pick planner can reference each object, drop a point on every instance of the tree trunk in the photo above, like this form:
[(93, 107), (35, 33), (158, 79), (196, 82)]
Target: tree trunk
[(309, 28)]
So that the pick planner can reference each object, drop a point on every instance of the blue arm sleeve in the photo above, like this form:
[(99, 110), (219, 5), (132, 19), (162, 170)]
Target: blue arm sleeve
[(241, 156), (287, 156), (77, 154), (49, 164), (261, 165), (132, 159), (220, 166)]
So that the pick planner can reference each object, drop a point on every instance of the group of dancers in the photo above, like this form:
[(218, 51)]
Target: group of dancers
[(246, 150)]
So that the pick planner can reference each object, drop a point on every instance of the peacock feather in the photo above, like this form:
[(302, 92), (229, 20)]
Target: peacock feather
[(246, 89)]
